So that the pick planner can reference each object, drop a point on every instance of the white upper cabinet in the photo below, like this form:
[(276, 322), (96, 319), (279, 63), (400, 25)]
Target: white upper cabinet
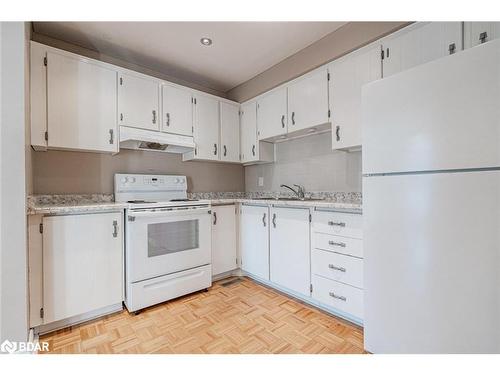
[(290, 249), (138, 102), (248, 130), (347, 77), (480, 32), (177, 113), (206, 127), (229, 132), (420, 44), (271, 114), (81, 105), (308, 101)]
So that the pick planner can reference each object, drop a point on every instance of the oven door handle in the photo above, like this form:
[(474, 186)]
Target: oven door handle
[(168, 213)]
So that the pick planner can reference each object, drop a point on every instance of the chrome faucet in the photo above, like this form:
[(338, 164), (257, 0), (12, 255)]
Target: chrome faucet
[(300, 192)]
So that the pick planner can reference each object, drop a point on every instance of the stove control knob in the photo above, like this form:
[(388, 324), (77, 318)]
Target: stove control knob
[(132, 179), (177, 180), (124, 180)]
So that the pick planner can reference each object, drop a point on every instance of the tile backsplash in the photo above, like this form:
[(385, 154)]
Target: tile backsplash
[(311, 162)]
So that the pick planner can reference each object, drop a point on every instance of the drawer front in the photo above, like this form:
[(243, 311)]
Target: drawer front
[(339, 296), (337, 244), (337, 267), (338, 223)]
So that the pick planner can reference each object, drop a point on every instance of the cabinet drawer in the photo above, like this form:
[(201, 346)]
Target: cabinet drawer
[(339, 296), (338, 223), (337, 267), (337, 244)]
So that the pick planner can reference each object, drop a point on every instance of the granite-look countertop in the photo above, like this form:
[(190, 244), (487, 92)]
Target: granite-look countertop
[(81, 203)]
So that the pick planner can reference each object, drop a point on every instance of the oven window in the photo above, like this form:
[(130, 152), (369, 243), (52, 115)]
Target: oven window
[(169, 238)]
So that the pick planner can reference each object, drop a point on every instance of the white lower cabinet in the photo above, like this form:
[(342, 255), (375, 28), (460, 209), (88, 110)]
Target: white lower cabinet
[(289, 249), (82, 264), (254, 240), (223, 239), (339, 296)]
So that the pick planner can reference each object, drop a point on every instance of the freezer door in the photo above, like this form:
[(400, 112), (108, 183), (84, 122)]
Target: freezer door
[(441, 115), (431, 245)]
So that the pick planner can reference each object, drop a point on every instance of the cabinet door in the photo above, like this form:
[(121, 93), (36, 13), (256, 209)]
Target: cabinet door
[(289, 249), (138, 102), (177, 110), (81, 105), (206, 127), (229, 132), (248, 129), (223, 239), (347, 77), (254, 240), (81, 272), (271, 114), (420, 45), (476, 33), (308, 101)]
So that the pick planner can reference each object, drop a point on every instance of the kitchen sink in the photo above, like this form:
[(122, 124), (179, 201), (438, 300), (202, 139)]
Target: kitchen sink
[(291, 199)]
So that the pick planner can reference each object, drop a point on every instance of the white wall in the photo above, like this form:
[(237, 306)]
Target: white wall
[(310, 162), (13, 250)]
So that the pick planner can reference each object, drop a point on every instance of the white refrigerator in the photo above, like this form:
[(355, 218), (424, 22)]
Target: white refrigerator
[(431, 206)]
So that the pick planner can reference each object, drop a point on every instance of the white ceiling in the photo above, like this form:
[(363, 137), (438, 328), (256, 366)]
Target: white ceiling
[(240, 50)]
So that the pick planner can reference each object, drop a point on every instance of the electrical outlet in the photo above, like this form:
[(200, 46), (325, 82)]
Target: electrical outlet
[(261, 181)]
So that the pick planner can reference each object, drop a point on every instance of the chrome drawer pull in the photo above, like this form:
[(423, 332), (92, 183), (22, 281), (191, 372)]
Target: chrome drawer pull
[(341, 269), (342, 298), (339, 244), (336, 223)]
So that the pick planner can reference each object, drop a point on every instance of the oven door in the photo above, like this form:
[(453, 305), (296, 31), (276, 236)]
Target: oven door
[(166, 241)]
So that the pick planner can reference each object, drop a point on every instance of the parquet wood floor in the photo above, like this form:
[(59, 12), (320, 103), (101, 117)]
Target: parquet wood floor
[(244, 317)]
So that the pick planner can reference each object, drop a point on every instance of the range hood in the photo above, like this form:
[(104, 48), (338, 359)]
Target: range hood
[(150, 140)]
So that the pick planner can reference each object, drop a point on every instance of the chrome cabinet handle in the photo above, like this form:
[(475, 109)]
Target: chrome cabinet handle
[(282, 121), (253, 150), (483, 37), (293, 118), (337, 133), (215, 218), (225, 150), (332, 267), (168, 119), (342, 298), (115, 228), (111, 136), (215, 148), (274, 220), (121, 116), (336, 223), (264, 219), (333, 243), (154, 116)]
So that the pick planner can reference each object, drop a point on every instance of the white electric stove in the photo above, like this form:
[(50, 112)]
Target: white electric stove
[(168, 239)]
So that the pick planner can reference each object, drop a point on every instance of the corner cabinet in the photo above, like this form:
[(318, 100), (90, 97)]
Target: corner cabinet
[(223, 239), (138, 102), (347, 77), (254, 240), (73, 103), (206, 127), (252, 150), (81, 273), (308, 101), (177, 110), (289, 249), (229, 132)]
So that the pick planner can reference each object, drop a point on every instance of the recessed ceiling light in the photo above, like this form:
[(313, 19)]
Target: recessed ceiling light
[(206, 41)]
